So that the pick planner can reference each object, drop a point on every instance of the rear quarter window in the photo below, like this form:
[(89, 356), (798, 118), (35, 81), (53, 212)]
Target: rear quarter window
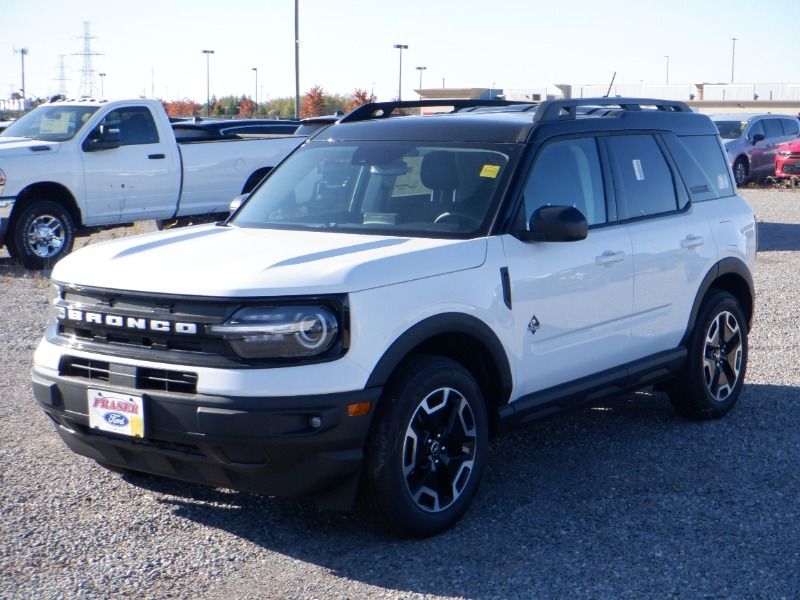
[(790, 126), (703, 166)]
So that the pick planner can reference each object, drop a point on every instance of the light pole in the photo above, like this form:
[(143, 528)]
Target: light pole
[(255, 70), (667, 57), (420, 69), (208, 54), (733, 56), (102, 86), (400, 47), (23, 52), (296, 60)]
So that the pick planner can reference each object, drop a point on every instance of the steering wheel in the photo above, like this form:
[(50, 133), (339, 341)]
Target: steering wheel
[(464, 221)]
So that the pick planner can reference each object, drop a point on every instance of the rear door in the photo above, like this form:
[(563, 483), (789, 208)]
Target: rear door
[(571, 301), (673, 247)]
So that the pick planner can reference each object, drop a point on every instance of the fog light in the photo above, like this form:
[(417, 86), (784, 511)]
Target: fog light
[(315, 422)]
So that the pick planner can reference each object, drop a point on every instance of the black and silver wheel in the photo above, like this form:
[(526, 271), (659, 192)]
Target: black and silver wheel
[(714, 374), (740, 171), (428, 448), (42, 233)]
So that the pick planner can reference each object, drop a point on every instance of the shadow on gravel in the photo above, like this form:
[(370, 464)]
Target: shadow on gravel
[(778, 236), (620, 499)]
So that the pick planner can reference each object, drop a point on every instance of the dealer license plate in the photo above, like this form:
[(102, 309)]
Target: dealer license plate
[(116, 413)]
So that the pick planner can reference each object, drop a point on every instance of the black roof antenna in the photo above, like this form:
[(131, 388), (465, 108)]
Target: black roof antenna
[(610, 84)]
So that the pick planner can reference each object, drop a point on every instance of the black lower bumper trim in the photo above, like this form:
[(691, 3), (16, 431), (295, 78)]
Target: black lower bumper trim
[(290, 446)]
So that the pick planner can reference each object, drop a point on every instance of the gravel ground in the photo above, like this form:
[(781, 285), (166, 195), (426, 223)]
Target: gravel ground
[(621, 501)]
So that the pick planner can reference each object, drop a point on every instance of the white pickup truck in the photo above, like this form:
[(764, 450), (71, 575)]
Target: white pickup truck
[(70, 166)]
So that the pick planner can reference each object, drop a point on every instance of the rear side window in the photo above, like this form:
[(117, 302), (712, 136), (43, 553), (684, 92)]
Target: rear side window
[(790, 126), (643, 179), (773, 128), (703, 166)]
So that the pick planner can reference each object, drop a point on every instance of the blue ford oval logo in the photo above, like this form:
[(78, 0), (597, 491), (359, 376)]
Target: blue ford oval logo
[(116, 419)]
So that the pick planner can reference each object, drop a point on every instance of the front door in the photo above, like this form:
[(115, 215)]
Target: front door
[(571, 301)]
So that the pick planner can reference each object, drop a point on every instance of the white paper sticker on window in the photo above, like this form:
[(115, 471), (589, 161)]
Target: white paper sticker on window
[(722, 182), (637, 169)]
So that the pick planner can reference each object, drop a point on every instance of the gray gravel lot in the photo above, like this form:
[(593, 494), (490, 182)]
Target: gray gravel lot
[(625, 500)]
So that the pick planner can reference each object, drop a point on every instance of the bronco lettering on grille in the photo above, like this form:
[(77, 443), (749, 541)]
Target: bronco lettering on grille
[(119, 321)]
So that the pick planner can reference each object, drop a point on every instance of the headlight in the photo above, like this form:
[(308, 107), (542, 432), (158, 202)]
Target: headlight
[(785, 152), (280, 331), (53, 298)]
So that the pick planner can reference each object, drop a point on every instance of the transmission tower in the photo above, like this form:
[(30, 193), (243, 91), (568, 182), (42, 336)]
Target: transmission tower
[(87, 72), (61, 79)]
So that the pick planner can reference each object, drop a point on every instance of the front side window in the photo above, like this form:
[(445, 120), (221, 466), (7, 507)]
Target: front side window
[(644, 182), (135, 125), (51, 123), (567, 173), (755, 129), (388, 188)]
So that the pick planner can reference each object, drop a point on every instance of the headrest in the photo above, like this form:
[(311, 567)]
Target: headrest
[(438, 171)]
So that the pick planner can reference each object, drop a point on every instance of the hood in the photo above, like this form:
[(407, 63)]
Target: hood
[(224, 261), (793, 146), (17, 146)]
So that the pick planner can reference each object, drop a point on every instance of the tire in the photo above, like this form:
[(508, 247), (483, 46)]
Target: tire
[(713, 377), (42, 233), (741, 171), (416, 484)]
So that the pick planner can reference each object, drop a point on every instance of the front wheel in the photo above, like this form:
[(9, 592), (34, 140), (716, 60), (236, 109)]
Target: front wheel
[(42, 233), (428, 448), (740, 171), (713, 377)]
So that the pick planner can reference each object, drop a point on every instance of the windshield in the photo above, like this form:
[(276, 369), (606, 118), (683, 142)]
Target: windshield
[(51, 123), (385, 188), (730, 130)]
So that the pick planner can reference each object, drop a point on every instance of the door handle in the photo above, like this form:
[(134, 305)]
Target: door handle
[(609, 256), (155, 156), (692, 241)]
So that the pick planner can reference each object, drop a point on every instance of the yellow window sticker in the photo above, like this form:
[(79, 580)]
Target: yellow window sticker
[(490, 171)]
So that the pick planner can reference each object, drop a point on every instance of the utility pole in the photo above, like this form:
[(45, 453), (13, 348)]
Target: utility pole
[(667, 57), (62, 86), (400, 47), (255, 70), (733, 56), (102, 85), (208, 54), (296, 60)]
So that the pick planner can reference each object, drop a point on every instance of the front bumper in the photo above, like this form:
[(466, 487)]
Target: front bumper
[(272, 446), (787, 167), (6, 206)]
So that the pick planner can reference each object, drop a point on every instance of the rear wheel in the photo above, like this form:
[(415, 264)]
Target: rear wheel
[(713, 377), (42, 233), (428, 448)]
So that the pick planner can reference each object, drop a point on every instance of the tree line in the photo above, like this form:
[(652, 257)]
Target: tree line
[(315, 102)]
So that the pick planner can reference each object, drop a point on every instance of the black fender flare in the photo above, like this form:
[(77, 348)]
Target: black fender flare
[(443, 324), (726, 266)]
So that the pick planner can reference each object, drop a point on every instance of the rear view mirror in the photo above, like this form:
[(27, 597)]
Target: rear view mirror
[(555, 224), (758, 137)]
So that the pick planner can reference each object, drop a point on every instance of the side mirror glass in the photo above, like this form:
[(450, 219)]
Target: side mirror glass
[(237, 202), (103, 138), (758, 137), (555, 224)]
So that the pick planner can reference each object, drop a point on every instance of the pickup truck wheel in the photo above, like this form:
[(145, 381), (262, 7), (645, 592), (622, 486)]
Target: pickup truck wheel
[(713, 377), (42, 233), (740, 171), (427, 449)]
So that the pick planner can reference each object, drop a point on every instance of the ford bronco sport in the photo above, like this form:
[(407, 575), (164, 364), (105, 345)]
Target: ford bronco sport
[(402, 288)]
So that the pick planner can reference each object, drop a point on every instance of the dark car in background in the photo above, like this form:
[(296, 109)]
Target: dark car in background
[(200, 130), (751, 141)]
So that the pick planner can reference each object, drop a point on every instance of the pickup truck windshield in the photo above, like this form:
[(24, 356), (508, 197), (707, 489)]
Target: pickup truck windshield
[(51, 123), (386, 188)]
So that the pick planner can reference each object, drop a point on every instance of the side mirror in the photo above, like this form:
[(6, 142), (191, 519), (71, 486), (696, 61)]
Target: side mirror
[(758, 137), (103, 138), (555, 224), (236, 203)]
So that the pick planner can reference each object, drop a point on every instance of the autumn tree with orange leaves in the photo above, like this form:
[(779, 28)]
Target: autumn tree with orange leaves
[(313, 102), (360, 98)]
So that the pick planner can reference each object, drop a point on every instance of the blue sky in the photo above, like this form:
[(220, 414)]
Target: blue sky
[(349, 43)]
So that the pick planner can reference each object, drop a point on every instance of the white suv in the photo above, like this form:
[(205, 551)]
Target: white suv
[(399, 290)]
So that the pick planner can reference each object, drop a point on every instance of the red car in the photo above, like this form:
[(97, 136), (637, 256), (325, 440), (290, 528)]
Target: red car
[(787, 159)]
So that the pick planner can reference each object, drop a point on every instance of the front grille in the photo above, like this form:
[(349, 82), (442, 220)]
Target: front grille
[(140, 378)]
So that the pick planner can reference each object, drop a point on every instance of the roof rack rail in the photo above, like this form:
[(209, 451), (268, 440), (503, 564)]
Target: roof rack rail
[(554, 110), (381, 110)]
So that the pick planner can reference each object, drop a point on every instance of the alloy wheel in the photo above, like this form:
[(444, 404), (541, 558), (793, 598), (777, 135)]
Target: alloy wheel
[(46, 236), (722, 356)]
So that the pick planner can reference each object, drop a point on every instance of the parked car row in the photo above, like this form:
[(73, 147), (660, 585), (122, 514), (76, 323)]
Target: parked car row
[(760, 145)]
